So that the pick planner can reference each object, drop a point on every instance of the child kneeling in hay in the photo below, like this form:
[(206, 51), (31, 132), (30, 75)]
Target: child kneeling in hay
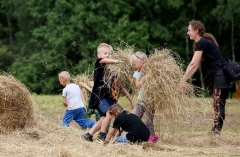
[(128, 122), (138, 60), (74, 100)]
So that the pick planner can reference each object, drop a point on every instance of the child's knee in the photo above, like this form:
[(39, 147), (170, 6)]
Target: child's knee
[(100, 120), (108, 114)]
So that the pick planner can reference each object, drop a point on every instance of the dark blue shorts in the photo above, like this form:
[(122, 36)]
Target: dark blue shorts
[(104, 106)]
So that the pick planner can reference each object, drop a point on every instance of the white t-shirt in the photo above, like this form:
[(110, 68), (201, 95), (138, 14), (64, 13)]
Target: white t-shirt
[(73, 97)]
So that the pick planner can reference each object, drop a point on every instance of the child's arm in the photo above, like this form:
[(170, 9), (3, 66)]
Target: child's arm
[(83, 100), (139, 82), (109, 136), (117, 84), (109, 61), (126, 93), (65, 101), (117, 135), (82, 96), (83, 84)]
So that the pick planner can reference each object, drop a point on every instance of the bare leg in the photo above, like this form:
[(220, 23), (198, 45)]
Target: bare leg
[(96, 126), (105, 122)]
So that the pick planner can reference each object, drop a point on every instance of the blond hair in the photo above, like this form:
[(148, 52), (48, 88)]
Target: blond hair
[(104, 45), (64, 75), (115, 110), (140, 55)]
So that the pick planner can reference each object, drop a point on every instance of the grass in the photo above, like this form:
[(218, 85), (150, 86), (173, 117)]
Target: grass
[(188, 135)]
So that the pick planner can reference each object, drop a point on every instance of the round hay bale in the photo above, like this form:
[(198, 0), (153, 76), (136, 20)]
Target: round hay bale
[(16, 107)]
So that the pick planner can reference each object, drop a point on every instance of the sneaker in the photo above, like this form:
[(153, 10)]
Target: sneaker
[(87, 137), (101, 137), (153, 138)]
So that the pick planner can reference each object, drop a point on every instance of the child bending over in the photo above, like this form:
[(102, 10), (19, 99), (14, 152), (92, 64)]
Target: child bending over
[(128, 122)]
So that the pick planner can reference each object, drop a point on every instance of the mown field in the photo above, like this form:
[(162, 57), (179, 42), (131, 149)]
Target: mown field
[(187, 135)]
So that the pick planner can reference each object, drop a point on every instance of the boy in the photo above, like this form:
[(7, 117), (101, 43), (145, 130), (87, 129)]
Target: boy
[(74, 100), (138, 60), (116, 87), (128, 122), (101, 97)]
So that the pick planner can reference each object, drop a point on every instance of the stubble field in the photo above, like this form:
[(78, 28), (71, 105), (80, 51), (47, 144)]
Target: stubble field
[(186, 136)]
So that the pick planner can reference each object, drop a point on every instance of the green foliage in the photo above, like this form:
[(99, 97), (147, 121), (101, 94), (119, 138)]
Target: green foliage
[(6, 58), (41, 38)]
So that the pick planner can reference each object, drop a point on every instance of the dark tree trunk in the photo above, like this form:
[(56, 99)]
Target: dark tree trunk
[(10, 36)]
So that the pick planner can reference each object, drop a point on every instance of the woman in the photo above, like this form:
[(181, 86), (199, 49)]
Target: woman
[(206, 48)]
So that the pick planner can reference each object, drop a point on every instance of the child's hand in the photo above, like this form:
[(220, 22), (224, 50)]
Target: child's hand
[(65, 105), (115, 138), (85, 110), (83, 84), (132, 106)]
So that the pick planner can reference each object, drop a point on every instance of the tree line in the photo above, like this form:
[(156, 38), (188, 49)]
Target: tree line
[(38, 39)]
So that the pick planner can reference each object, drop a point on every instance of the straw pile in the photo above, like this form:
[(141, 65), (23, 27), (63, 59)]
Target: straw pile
[(161, 89), (86, 79), (124, 69), (16, 109)]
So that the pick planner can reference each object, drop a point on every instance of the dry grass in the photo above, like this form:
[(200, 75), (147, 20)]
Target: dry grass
[(86, 79), (161, 90), (15, 104), (124, 70), (189, 136)]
